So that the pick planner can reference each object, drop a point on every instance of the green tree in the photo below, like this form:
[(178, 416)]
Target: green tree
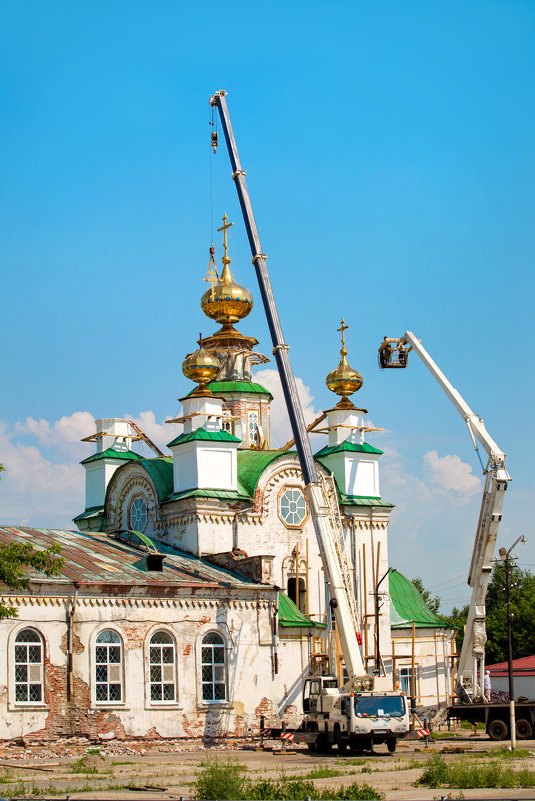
[(16, 558), (433, 603), (522, 594)]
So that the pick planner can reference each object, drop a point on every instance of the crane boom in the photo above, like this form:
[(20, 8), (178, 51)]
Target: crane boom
[(392, 353), (320, 491)]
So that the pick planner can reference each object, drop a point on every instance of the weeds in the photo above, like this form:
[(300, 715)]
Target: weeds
[(89, 764), (465, 774)]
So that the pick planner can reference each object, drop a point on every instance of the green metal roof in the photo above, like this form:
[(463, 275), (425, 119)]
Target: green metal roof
[(91, 511), (237, 386), (160, 470), (222, 495), (252, 463), (110, 453), (407, 605), (348, 446), (363, 500), (202, 434), (290, 616)]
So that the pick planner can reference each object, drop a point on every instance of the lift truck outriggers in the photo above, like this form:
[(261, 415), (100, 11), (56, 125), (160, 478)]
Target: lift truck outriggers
[(332, 715)]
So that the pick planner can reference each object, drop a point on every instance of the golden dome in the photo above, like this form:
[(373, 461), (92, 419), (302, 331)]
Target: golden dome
[(202, 367), (344, 380), (226, 301)]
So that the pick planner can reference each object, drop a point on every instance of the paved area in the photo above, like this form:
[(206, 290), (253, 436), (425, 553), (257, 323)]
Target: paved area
[(167, 770)]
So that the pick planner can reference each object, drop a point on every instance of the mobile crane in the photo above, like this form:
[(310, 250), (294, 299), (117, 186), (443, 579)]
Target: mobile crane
[(469, 679), (337, 712)]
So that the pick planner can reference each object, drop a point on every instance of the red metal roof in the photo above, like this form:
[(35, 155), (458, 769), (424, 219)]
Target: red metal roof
[(92, 558), (525, 666)]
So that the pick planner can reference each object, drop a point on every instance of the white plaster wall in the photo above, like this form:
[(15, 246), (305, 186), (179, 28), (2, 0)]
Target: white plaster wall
[(362, 476), (97, 478), (246, 627)]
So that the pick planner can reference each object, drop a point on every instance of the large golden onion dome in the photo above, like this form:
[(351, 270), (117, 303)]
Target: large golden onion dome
[(344, 380), (226, 301), (202, 366)]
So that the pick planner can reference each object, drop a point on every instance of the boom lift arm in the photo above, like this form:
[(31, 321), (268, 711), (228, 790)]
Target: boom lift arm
[(394, 353), (320, 492)]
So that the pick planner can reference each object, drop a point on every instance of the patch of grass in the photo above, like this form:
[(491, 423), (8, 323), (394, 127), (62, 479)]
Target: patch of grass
[(518, 753), (465, 724), (113, 762), (355, 761), (5, 776), (227, 781), (413, 763), (465, 774), (221, 780), (89, 764)]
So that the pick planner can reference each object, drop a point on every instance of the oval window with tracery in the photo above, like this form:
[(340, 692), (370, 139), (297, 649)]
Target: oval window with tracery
[(138, 514), (293, 506)]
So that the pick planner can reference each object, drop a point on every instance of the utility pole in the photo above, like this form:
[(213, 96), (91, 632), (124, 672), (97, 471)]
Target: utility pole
[(506, 559)]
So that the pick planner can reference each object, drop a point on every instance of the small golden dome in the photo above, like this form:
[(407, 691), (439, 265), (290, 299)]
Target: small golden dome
[(344, 380), (226, 301), (202, 366)]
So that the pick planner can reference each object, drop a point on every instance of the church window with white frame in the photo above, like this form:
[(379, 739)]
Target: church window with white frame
[(213, 668), (162, 667), (108, 667), (292, 507), (253, 434), (137, 514), (29, 684)]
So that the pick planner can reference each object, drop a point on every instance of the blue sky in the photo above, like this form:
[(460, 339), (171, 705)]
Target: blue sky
[(390, 152)]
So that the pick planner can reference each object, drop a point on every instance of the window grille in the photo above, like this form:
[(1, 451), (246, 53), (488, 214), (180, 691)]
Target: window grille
[(108, 667), (293, 507), (213, 667), (138, 514), (226, 422), (252, 429), (162, 667), (28, 667)]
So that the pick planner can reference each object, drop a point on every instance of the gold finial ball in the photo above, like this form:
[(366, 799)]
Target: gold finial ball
[(202, 366), (227, 302), (344, 380)]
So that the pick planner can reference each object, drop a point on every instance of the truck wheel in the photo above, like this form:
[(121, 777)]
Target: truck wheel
[(340, 745), (497, 730), (524, 730), (391, 744)]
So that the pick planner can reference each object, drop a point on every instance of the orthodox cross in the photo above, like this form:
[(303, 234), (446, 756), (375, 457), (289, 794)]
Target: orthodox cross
[(343, 328), (224, 228)]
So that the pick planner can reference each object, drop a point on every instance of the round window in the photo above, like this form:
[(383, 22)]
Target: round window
[(138, 514), (293, 506)]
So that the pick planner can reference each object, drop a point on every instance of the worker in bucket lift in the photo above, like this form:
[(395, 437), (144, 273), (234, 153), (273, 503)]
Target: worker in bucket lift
[(487, 686)]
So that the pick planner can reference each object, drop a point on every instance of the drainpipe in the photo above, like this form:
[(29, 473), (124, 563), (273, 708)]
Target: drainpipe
[(275, 628), (70, 623)]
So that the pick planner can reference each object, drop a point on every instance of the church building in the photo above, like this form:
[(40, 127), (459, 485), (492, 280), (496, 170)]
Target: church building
[(192, 598)]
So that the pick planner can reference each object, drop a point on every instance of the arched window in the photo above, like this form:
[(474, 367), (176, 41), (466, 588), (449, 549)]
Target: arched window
[(162, 667), (108, 667), (213, 667), (28, 667)]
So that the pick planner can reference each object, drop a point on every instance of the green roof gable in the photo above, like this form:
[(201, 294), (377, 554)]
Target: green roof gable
[(207, 436), (290, 616), (251, 465), (365, 447), (110, 453), (237, 386), (408, 607), (160, 470)]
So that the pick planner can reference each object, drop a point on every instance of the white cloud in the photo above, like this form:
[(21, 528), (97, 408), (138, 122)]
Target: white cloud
[(34, 490), (451, 473), (64, 434), (280, 423)]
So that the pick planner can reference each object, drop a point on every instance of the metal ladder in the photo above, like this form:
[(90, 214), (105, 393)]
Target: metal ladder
[(332, 509)]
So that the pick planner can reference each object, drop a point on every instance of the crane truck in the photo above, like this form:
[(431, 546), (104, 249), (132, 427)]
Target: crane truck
[(470, 703), (357, 715)]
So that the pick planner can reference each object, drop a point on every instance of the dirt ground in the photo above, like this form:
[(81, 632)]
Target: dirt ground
[(167, 769)]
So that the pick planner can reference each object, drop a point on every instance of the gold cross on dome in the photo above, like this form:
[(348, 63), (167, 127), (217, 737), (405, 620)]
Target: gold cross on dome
[(343, 328), (226, 225)]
